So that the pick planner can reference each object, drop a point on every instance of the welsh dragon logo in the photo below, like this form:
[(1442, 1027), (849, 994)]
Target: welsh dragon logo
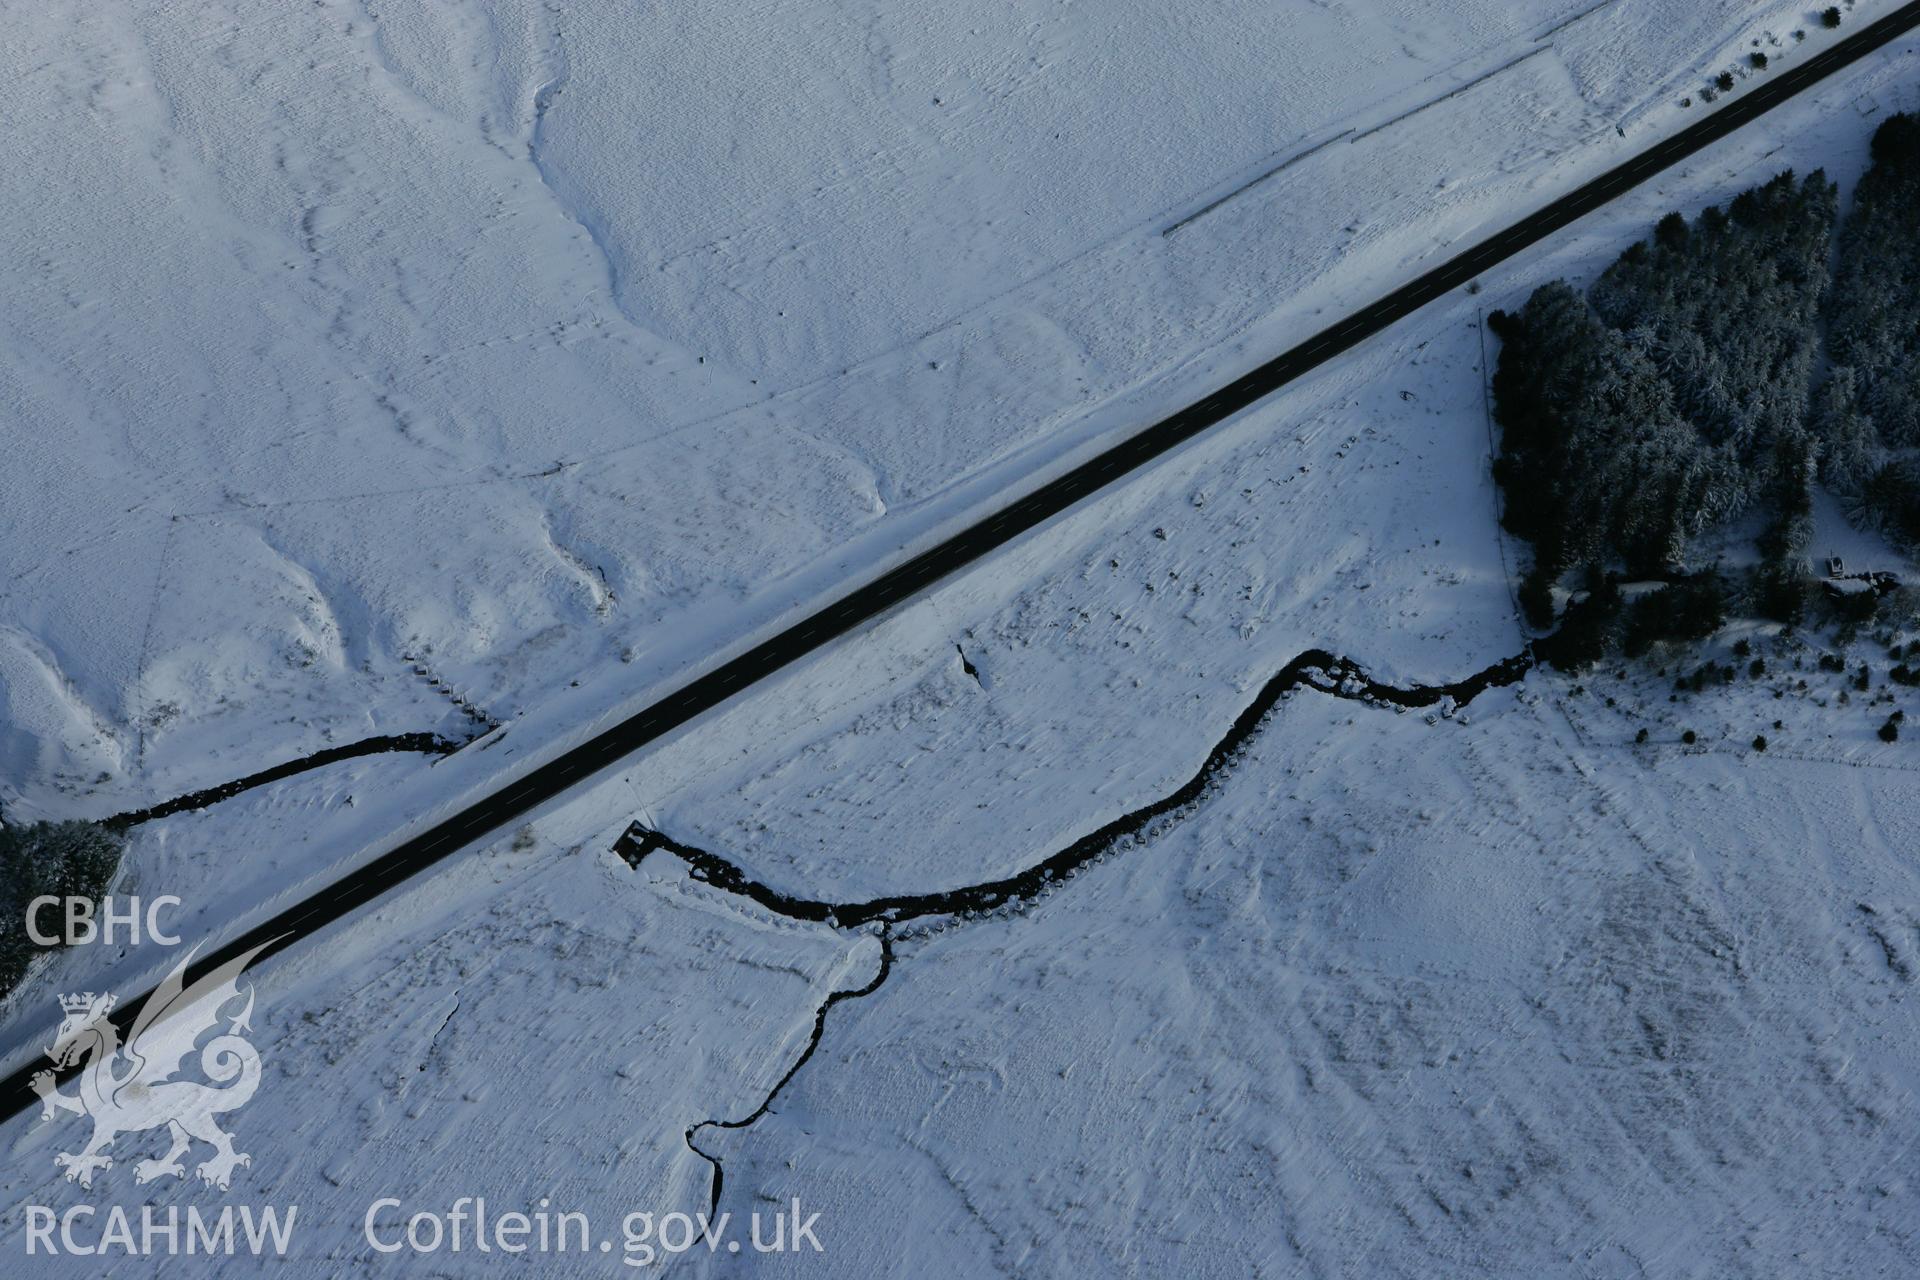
[(130, 1088)]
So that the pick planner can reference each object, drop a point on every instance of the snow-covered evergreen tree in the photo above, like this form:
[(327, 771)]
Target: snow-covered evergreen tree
[(1726, 308), (1850, 449), (1671, 401), (1874, 314), (1869, 418), (56, 859)]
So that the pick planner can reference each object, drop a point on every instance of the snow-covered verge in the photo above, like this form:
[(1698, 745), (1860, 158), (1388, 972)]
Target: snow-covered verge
[(528, 345)]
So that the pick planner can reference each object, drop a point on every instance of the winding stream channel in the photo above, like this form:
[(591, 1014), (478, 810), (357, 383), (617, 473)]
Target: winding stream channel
[(1314, 669), (429, 743)]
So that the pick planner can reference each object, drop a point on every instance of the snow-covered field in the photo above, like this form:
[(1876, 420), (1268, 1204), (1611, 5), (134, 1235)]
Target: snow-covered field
[(1406, 1000), (1491, 993), (1394, 444), (1496, 993), (541, 344), (1381, 1008)]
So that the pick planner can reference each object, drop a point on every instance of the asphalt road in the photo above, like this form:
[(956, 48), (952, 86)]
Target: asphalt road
[(1051, 499)]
